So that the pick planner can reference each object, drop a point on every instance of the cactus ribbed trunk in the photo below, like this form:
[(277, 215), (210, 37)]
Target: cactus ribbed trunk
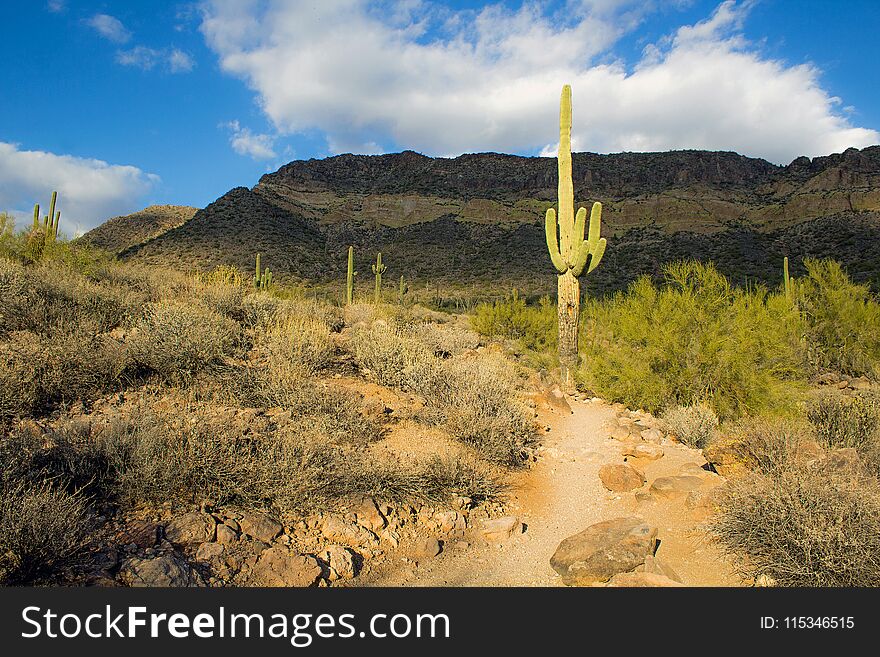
[(349, 279), (568, 307)]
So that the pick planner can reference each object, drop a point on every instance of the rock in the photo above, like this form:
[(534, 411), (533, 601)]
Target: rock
[(190, 529), (725, 456), (828, 378), (450, 521), (347, 533), (142, 533), (808, 450), (500, 529), (556, 400), (671, 488), (642, 580), (860, 383), (165, 571), (369, 516), (425, 548), (652, 435), (654, 566), (645, 451), (695, 470), (277, 566), (603, 550), (340, 562), (209, 552), (620, 478), (260, 526), (842, 459), (623, 434), (226, 535)]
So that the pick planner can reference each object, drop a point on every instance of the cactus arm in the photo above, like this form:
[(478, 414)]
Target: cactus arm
[(596, 255), (36, 216), (580, 222), (57, 222), (52, 208), (553, 242), (595, 222)]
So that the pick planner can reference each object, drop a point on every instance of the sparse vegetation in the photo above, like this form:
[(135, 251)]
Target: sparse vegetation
[(846, 421), (693, 425)]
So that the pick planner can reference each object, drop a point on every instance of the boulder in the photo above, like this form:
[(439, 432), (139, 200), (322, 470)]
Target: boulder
[(500, 529), (209, 552), (340, 562), (603, 550), (141, 533), (642, 580), (226, 535), (673, 488), (644, 451), (190, 529), (655, 566), (276, 566), (426, 548), (260, 526), (369, 516), (620, 478), (725, 456), (652, 435), (170, 570)]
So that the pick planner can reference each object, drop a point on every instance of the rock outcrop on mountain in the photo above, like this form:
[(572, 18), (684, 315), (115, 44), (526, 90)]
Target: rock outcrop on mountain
[(119, 233), (478, 219)]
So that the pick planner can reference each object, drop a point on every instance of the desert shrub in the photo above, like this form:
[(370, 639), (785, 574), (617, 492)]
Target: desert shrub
[(475, 400), (223, 298), (846, 421), (843, 320), (766, 445), (394, 358), (259, 310), (444, 341), (693, 425), (803, 526), (533, 326), (177, 340), (299, 342), (693, 339), (42, 530)]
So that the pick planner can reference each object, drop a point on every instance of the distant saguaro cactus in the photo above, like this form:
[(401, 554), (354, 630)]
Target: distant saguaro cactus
[(50, 222), (569, 251), (789, 291), (349, 279), (378, 270), (404, 288), (262, 279), (257, 273)]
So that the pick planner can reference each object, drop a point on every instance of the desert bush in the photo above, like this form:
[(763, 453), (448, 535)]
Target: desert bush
[(843, 320), (177, 340), (394, 358), (766, 445), (259, 310), (803, 526), (445, 340), (846, 421), (299, 342), (42, 530), (533, 326), (694, 338), (693, 425)]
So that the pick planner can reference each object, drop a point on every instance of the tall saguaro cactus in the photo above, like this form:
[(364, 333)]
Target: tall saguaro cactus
[(258, 272), (570, 253), (349, 279), (50, 222), (789, 291), (378, 270)]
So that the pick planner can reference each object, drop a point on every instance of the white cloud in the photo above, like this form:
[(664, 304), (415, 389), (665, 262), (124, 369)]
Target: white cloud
[(56, 6), (109, 27), (424, 77), (254, 145), (145, 58), (89, 191)]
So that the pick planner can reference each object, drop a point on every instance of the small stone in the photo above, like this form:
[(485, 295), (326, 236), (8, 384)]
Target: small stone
[(340, 562), (672, 488), (190, 529), (644, 451), (277, 566), (368, 515), (620, 478), (426, 548), (500, 529), (226, 535), (209, 552), (141, 533), (652, 435), (347, 533), (260, 526), (165, 571)]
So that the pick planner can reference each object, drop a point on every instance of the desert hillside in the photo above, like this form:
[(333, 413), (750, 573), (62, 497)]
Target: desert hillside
[(476, 220)]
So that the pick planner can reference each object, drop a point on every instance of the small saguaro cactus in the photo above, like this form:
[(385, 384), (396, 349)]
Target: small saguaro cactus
[(378, 270), (262, 278), (789, 291), (404, 288), (257, 272), (570, 253), (349, 279), (50, 222)]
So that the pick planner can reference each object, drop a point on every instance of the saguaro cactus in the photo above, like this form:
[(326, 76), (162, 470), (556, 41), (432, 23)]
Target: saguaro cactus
[(789, 291), (257, 272), (404, 288), (349, 279), (50, 222), (570, 253), (378, 270)]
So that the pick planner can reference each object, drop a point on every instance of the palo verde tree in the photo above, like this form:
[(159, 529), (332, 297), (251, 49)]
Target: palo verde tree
[(570, 253)]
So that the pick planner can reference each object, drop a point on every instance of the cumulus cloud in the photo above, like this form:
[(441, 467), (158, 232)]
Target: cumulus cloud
[(145, 58), (90, 191), (418, 75), (109, 27), (254, 145)]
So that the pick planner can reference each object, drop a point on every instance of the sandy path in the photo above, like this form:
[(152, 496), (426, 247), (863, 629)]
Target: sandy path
[(562, 495)]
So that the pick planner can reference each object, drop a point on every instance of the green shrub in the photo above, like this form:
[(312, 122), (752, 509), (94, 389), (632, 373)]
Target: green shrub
[(178, 340), (533, 326), (693, 339), (693, 425), (846, 421), (843, 320)]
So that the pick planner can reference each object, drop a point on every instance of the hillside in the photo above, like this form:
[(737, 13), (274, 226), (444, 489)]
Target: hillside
[(477, 219), (119, 233)]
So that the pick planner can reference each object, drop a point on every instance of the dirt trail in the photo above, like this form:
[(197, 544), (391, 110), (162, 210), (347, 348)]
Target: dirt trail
[(562, 495)]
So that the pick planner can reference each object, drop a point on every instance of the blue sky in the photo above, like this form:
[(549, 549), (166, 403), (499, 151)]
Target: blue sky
[(124, 104)]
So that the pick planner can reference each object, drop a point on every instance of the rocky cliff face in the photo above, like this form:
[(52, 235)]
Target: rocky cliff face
[(477, 219)]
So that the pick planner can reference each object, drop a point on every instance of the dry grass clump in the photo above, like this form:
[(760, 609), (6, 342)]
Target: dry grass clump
[(394, 358), (693, 425), (800, 519), (846, 421), (177, 339), (299, 342), (444, 341)]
